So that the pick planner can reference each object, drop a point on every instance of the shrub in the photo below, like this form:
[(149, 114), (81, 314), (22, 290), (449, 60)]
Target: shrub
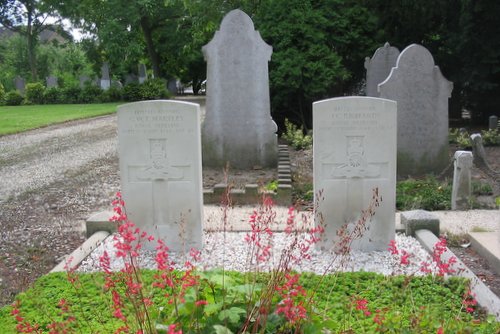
[(113, 94), (132, 92), (52, 95), (71, 94), (459, 137), (462, 138), (13, 98), (295, 136), (154, 89), (491, 137), (34, 92), (2, 94), (90, 94)]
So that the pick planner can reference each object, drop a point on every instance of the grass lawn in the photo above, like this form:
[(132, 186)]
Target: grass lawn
[(22, 118)]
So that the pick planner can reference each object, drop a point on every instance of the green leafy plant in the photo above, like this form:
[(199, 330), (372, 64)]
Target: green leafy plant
[(462, 138), (426, 194), (491, 137), (154, 89), (52, 95), (34, 92), (13, 98), (481, 188), (2, 94), (89, 94), (71, 94), (296, 137), (272, 185), (132, 92), (459, 137), (113, 94)]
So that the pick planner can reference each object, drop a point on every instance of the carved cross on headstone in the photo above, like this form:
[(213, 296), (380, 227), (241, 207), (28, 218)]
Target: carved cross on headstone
[(159, 172), (355, 170)]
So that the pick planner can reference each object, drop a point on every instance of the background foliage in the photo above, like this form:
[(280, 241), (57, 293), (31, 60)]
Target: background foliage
[(319, 46)]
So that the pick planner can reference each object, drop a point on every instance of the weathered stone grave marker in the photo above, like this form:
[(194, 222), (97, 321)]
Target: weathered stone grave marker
[(143, 75), (238, 127), (51, 81), (20, 84), (461, 190), (422, 94), (105, 79), (493, 122), (379, 67), (84, 79), (354, 152), (160, 169)]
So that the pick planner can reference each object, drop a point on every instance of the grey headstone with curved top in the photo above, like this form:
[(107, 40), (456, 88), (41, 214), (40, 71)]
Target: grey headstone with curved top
[(238, 127), (379, 67), (422, 94)]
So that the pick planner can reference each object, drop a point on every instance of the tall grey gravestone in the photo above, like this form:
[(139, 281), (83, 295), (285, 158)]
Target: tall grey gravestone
[(143, 75), (461, 190), (422, 94), (160, 170), (19, 84), (238, 127), (493, 122), (83, 80), (51, 81), (354, 152), (105, 79), (379, 67)]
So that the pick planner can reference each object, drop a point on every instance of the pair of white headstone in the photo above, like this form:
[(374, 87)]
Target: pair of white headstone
[(160, 166)]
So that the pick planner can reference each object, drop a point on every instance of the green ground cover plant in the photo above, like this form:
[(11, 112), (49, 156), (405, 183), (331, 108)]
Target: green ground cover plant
[(398, 299), (14, 119), (278, 300), (427, 194)]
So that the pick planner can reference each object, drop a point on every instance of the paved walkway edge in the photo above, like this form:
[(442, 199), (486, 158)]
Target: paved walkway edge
[(82, 252), (483, 294)]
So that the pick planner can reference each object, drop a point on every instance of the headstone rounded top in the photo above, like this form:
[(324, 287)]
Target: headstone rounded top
[(416, 56), (237, 19)]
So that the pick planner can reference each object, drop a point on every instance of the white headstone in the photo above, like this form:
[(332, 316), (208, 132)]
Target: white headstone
[(160, 169), (422, 94), (105, 79), (461, 190), (238, 127), (354, 152), (379, 67)]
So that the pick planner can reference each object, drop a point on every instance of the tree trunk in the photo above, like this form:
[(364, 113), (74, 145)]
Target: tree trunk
[(153, 55), (31, 38)]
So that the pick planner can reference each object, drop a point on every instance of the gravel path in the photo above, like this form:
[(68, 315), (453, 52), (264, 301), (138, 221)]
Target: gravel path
[(51, 179), (47, 154)]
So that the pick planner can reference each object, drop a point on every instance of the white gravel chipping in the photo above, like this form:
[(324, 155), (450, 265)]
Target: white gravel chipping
[(230, 251)]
